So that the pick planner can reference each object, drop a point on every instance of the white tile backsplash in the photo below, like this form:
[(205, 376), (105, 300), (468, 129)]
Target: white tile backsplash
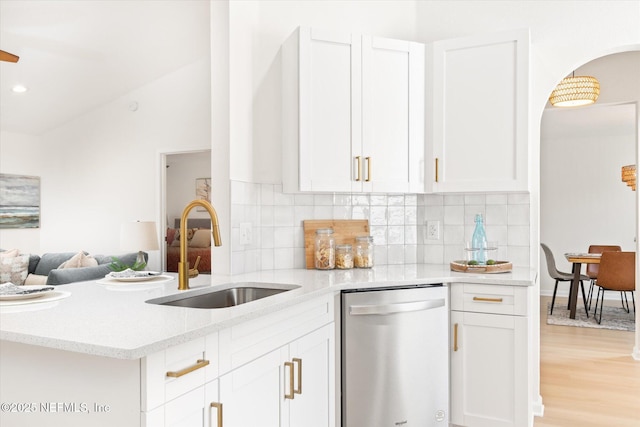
[(397, 224)]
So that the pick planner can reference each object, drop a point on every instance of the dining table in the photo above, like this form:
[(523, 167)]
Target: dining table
[(577, 259)]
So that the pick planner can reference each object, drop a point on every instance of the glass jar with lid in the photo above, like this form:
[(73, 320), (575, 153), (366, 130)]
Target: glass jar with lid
[(344, 257), (325, 251), (364, 252)]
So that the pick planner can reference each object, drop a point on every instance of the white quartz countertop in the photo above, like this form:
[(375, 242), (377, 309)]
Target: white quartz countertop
[(115, 321)]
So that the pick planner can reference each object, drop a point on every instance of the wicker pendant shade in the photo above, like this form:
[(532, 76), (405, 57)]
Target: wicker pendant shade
[(629, 175), (575, 91)]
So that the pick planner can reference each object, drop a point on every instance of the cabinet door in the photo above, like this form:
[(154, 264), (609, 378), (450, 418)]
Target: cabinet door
[(392, 115), (252, 394), (213, 407), (489, 370), (314, 399), (187, 410), (321, 110), (479, 94)]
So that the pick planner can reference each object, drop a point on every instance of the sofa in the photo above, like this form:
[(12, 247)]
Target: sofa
[(57, 268)]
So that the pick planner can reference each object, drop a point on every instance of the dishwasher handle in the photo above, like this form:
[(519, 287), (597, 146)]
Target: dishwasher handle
[(403, 307)]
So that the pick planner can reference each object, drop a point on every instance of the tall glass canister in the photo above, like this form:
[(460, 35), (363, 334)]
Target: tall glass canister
[(325, 249)]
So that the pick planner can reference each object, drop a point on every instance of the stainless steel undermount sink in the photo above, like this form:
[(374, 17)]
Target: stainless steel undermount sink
[(232, 295)]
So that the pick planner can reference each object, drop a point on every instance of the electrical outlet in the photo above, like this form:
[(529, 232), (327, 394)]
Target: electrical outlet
[(245, 233), (433, 230)]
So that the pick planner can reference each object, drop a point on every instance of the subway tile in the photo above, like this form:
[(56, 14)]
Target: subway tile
[(433, 254), (435, 213), (283, 258), (267, 215), (396, 215), (453, 200), (410, 235), (322, 212), (266, 259), (410, 215), (378, 199), (303, 199), (360, 212), (470, 212), (283, 237), (395, 235), (497, 199), (519, 198), (433, 200), (360, 199), (411, 200), (267, 237), (496, 215), (300, 213), (281, 199), (341, 199), (475, 199), (395, 200), (342, 212), (410, 254), (395, 254), (518, 235), (380, 255), (518, 214), (453, 234), (283, 216), (323, 200), (453, 215), (379, 234), (378, 215), (266, 194)]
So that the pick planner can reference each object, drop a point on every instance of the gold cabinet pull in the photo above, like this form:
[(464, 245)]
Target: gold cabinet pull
[(481, 299), (359, 168), (368, 160), (436, 169), (291, 386), (455, 337), (200, 363), (218, 406), (299, 362)]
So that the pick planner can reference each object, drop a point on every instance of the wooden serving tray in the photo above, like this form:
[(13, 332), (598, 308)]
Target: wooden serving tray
[(498, 267), (344, 231)]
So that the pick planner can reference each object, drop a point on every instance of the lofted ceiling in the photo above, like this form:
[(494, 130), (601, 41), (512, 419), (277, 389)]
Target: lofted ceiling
[(78, 55)]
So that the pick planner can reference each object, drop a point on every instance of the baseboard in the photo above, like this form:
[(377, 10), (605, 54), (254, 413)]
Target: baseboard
[(538, 407), (636, 351)]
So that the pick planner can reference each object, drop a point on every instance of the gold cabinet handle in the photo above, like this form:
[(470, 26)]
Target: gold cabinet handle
[(359, 168), (436, 169), (368, 160), (455, 337), (218, 406), (201, 363), (481, 299), (291, 386), (299, 362)]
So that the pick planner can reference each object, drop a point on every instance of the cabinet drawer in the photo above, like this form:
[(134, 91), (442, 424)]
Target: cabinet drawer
[(247, 341), (495, 299), (177, 370)]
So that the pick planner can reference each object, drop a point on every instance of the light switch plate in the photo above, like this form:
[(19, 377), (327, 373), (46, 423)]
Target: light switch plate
[(246, 236)]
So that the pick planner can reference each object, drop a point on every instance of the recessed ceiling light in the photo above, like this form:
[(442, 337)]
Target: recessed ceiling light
[(19, 89)]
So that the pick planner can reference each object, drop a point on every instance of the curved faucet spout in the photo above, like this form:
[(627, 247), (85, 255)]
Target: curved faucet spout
[(183, 265)]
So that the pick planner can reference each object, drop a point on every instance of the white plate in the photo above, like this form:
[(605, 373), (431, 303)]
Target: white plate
[(130, 280), (49, 299), (26, 296), (134, 278)]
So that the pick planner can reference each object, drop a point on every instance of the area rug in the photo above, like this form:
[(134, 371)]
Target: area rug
[(612, 318)]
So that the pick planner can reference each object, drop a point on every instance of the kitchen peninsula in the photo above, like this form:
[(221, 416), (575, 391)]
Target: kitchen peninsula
[(104, 346)]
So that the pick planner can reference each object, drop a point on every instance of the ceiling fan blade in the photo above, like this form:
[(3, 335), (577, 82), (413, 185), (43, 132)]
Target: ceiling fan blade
[(8, 57)]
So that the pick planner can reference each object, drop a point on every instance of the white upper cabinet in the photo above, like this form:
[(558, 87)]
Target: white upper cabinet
[(353, 113), (392, 115), (478, 92)]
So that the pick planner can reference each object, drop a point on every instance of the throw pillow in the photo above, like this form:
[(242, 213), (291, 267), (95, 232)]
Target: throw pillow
[(14, 269), (79, 260), (9, 254), (171, 235), (35, 279), (201, 239), (176, 239)]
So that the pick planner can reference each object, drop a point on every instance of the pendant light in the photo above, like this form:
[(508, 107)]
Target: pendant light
[(629, 175), (575, 91)]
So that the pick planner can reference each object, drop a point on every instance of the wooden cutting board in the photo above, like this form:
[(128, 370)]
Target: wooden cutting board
[(344, 231)]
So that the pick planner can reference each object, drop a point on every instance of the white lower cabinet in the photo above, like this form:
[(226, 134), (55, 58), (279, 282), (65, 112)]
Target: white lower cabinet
[(489, 356), (277, 370), (290, 386)]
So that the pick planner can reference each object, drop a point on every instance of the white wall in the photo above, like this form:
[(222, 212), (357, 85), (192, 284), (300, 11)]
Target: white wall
[(103, 168), (20, 155)]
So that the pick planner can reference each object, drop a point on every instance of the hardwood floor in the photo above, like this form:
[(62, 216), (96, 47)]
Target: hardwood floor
[(588, 377)]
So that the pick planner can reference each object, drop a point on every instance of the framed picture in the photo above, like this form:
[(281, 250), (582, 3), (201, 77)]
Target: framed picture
[(203, 191), (19, 201)]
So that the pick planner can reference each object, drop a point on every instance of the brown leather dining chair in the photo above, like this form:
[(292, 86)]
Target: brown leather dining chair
[(592, 269), (617, 273), (561, 276)]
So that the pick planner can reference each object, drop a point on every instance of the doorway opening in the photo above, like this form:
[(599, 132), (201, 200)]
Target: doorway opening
[(186, 175)]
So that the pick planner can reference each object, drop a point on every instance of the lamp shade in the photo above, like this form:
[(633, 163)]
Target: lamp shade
[(139, 236), (575, 91)]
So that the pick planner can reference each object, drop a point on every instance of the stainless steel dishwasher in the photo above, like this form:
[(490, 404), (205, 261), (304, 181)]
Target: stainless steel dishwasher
[(395, 357)]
